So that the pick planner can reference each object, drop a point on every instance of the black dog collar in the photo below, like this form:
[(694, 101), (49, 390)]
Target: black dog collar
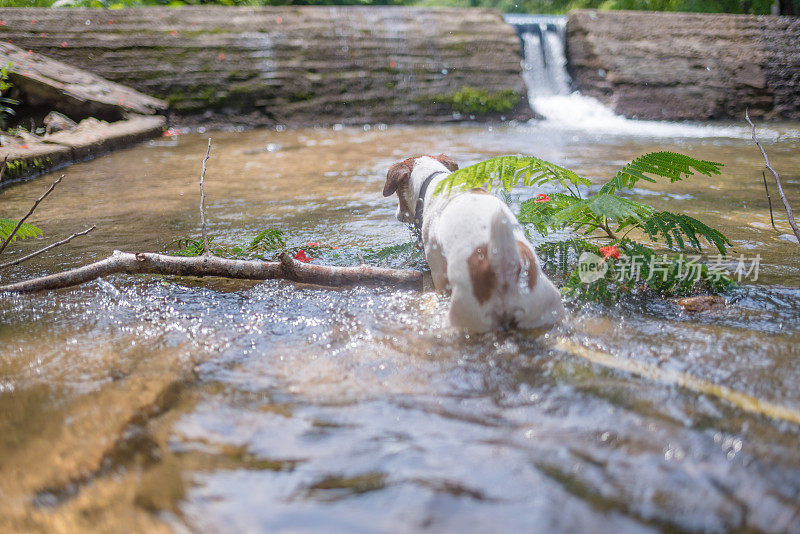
[(421, 199)]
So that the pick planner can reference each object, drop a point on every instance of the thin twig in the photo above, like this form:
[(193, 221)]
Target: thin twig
[(3, 168), (45, 249), (203, 199), (35, 204), (786, 205), (769, 199), (608, 230)]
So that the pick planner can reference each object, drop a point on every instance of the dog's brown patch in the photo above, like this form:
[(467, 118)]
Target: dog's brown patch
[(447, 161), (479, 191), (398, 176), (481, 274), (529, 263)]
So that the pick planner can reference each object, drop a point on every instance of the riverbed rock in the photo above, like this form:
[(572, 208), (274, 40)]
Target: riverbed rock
[(687, 65), (43, 82), (286, 65), (57, 122)]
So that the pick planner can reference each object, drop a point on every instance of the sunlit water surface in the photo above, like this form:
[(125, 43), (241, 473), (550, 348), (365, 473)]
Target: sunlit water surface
[(298, 409)]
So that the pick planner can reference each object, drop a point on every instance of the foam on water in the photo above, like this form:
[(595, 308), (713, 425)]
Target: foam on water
[(578, 112)]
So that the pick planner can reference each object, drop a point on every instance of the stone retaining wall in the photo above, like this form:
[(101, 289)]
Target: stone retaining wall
[(285, 65), (687, 65)]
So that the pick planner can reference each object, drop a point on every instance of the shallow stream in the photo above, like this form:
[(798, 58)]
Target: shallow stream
[(210, 405)]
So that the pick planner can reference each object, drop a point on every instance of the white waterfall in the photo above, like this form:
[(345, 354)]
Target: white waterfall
[(544, 69)]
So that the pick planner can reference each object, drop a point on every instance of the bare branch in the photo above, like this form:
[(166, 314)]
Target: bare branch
[(769, 199), (203, 200), (45, 249), (33, 208), (287, 268), (786, 205)]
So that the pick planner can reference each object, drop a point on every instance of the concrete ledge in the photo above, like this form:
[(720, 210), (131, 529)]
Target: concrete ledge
[(89, 139)]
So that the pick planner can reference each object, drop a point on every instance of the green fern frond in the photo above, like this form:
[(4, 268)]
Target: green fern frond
[(560, 255), (268, 240), (25, 231), (539, 212), (678, 229), (664, 164), (508, 172), (607, 206)]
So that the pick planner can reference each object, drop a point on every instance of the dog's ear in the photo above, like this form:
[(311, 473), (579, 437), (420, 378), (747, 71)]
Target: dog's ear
[(447, 161), (397, 177)]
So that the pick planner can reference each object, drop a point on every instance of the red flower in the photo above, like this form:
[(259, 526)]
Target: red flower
[(610, 252), (541, 197), (301, 256), (221, 57), (63, 44), (313, 244)]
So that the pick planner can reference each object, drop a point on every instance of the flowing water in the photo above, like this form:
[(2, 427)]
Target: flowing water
[(140, 403)]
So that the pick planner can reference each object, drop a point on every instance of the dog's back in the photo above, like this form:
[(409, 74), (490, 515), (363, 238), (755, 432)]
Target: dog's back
[(492, 269), (475, 249)]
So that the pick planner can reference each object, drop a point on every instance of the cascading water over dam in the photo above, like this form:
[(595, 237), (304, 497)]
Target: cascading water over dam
[(544, 65), (552, 95)]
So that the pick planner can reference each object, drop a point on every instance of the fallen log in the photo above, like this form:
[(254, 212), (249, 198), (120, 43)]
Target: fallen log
[(286, 268)]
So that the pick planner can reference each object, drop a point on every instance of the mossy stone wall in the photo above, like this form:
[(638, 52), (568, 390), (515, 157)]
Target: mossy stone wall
[(285, 65)]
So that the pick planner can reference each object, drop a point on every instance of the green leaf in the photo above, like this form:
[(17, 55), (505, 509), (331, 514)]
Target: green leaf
[(601, 206), (268, 240), (25, 231), (508, 172), (677, 228), (664, 164)]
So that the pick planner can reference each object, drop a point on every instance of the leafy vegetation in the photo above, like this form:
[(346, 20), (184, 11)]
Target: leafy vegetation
[(270, 241), (5, 103), (623, 235), (25, 231), (758, 7), (471, 101)]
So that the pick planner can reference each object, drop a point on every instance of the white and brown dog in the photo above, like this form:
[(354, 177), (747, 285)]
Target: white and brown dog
[(476, 250)]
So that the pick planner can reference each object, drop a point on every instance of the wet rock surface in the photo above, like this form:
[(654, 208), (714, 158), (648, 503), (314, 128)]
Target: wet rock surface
[(286, 65), (687, 65)]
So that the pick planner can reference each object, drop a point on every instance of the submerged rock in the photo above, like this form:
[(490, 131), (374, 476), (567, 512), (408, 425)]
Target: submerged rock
[(702, 303)]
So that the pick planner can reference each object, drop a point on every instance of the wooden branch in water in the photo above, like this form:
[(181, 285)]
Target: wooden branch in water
[(30, 212), (48, 247), (786, 204), (203, 200), (287, 268)]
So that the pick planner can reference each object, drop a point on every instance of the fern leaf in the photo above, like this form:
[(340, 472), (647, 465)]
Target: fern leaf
[(268, 240), (25, 231), (664, 164), (675, 227), (601, 206), (508, 172)]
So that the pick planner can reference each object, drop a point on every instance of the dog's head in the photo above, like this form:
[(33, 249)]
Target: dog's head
[(405, 178)]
